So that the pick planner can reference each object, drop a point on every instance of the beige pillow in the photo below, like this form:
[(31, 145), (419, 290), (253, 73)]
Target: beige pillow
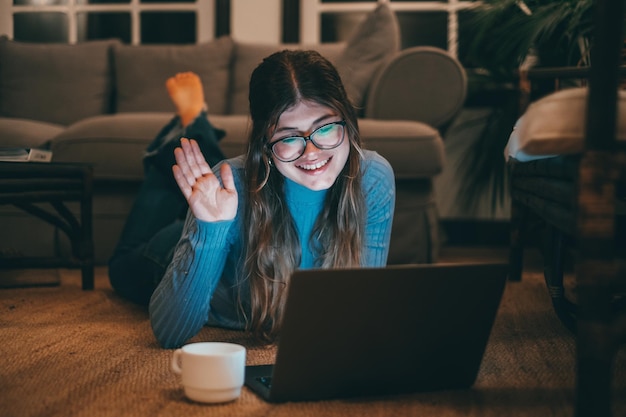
[(556, 123), (141, 72), (372, 45)]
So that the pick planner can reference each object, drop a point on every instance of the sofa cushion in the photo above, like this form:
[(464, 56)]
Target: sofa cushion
[(55, 83), (27, 133), (372, 44), (115, 144), (141, 72), (556, 125)]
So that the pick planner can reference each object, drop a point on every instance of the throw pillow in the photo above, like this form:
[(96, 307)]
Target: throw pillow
[(141, 72), (55, 83), (372, 44), (556, 125)]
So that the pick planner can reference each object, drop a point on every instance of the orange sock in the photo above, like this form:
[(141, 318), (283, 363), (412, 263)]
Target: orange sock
[(185, 90)]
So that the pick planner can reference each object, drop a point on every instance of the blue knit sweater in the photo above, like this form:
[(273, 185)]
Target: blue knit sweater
[(203, 285)]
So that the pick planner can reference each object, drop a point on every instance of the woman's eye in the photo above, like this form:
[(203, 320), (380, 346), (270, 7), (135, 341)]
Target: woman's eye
[(325, 130), (290, 141)]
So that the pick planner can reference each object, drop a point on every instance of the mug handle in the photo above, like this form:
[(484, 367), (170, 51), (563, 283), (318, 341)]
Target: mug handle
[(176, 361)]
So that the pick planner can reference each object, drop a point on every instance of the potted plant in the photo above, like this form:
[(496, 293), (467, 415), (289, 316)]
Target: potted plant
[(505, 35)]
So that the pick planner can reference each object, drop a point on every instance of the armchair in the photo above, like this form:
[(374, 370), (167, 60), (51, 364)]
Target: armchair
[(574, 183)]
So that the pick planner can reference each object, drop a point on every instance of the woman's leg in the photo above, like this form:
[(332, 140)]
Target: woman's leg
[(158, 205), (155, 222)]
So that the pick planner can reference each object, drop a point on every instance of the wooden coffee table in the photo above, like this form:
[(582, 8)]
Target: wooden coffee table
[(42, 190)]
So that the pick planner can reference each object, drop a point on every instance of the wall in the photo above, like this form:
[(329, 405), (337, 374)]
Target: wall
[(256, 21), (6, 22)]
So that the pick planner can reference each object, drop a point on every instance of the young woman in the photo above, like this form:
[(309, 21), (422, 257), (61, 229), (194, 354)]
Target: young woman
[(305, 195)]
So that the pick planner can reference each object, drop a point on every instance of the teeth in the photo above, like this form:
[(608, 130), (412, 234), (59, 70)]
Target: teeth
[(314, 166)]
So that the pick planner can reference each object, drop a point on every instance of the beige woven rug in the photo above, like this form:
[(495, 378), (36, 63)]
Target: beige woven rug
[(68, 352)]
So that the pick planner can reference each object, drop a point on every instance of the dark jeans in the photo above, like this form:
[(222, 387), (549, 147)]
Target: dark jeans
[(155, 222)]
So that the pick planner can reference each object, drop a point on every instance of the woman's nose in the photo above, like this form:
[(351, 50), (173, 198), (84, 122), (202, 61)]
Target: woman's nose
[(310, 147)]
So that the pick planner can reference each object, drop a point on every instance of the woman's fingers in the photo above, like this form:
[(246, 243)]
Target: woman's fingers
[(182, 162), (227, 177), (199, 158), (191, 161), (208, 199), (181, 180), (190, 157)]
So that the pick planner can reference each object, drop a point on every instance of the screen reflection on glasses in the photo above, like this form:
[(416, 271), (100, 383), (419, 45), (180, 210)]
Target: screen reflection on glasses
[(328, 136)]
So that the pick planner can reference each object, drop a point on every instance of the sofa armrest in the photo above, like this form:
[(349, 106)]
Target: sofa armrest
[(422, 83), (414, 149)]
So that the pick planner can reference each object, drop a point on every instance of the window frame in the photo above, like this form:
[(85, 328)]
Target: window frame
[(311, 14), (205, 11)]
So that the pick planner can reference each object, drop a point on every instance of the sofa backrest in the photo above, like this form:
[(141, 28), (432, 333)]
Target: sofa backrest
[(55, 83), (66, 83), (141, 71)]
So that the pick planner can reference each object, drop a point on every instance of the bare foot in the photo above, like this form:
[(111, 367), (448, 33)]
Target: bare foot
[(185, 90)]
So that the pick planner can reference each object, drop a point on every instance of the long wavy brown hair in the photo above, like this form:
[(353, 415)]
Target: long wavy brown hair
[(273, 249)]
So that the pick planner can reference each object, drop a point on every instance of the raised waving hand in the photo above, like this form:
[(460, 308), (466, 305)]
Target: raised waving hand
[(208, 199)]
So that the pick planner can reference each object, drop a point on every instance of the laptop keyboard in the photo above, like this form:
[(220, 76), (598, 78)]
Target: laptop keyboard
[(265, 380)]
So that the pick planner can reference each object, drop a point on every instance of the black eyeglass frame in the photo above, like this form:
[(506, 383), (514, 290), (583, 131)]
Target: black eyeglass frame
[(270, 145)]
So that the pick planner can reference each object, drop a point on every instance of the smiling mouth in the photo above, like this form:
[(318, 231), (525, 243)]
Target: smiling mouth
[(313, 167)]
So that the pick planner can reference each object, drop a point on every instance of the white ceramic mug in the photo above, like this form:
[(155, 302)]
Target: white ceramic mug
[(211, 372)]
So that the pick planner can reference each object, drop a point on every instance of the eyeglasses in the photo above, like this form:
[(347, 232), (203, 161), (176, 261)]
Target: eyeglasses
[(328, 136)]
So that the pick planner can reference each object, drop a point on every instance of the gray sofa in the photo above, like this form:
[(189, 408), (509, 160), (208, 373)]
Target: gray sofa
[(102, 102)]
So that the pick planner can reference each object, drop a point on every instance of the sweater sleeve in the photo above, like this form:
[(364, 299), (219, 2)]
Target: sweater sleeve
[(380, 195), (180, 305)]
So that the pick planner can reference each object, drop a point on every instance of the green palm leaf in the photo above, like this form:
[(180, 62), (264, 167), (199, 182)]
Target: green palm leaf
[(503, 34)]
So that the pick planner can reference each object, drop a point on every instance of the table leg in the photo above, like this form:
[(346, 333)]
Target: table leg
[(86, 237)]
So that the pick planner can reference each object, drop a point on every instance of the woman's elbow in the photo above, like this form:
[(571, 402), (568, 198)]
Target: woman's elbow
[(165, 339), (163, 332)]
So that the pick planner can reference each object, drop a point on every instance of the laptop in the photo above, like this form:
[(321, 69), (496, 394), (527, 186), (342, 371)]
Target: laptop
[(380, 331)]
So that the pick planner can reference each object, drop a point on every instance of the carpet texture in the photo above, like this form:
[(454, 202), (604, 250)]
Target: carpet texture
[(68, 352)]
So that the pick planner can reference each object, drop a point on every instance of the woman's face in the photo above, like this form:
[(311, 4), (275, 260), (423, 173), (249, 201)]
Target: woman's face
[(317, 169)]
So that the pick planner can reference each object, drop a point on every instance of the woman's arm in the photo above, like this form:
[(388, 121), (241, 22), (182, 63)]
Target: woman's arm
[(380, 196), (180, 305)]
